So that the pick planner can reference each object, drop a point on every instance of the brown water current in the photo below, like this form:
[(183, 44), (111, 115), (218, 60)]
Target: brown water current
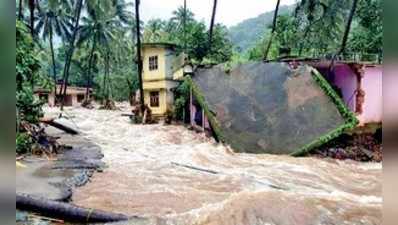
[(181, 177)]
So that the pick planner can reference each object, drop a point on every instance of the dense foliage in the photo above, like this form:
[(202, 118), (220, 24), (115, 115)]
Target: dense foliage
[(302, 33), (103, 56), (28, 106), (27, 76), (193, 37), (367, 36)]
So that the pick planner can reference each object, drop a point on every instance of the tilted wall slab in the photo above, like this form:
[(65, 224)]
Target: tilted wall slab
[(270, 108)]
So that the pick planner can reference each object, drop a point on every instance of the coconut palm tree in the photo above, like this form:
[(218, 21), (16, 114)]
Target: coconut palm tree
[(99, 28), (76, 20), (345, 35), (348, 27), (153, 31), (182, 16), (123, 12), (53, 19), (312, 16), (32, 5)]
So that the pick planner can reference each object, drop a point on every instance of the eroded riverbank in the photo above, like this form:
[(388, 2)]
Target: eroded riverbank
[(182, 177)]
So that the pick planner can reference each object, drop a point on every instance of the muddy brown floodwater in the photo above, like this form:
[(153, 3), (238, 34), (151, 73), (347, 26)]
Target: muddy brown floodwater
[(181, 177)]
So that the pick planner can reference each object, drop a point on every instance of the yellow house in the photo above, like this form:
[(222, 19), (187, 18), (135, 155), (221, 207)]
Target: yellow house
[(162, 70)]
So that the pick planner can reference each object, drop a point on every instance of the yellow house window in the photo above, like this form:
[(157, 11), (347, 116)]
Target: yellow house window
[(153, 63), (154, 98)]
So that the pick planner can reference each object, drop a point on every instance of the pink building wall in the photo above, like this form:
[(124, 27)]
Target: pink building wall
[(373, 102), (347, 81)]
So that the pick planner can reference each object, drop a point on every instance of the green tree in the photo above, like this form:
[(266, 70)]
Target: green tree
[(53, 19), (71, 49), (367, 35), (27, 67), (154, 31), (312, 16), (100, 28)]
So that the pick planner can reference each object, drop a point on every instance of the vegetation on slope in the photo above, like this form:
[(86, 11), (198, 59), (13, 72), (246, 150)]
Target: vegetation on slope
[(247, 33)]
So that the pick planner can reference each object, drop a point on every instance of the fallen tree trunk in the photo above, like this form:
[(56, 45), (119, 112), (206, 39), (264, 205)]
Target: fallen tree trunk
[(60, 126), (65, 211)]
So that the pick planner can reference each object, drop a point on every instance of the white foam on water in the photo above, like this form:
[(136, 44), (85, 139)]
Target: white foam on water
[(148, 174)]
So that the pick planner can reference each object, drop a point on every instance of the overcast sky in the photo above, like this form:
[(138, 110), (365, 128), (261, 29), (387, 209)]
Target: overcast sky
[(229, 12)]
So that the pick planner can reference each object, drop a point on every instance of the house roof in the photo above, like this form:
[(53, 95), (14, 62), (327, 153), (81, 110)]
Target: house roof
[(69, 90), (159, 45)]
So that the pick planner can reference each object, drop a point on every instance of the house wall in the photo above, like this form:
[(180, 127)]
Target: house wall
[(166, 96), (162, 101), (169, 58), (158, 74), (373, 101), (346, 79), (159, 80)]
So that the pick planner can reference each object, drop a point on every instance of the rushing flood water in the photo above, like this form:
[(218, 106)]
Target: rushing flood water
[(182, 177)]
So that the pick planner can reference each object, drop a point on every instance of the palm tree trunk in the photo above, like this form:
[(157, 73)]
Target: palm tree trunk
[(348, 27), (53, 59), (213, 17), (185, 25), (70, 52), (273, 30), (106, 77), (90, 65), (139, 59), (32, 16), (20, 10), (346, 33)]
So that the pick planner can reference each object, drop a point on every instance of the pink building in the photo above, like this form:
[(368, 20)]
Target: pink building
[(360, 86)]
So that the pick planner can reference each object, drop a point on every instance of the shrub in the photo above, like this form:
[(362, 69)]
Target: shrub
[(23, 143)]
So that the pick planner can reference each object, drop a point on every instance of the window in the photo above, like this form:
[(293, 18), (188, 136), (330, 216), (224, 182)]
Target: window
[(153, 63), (154, 98)]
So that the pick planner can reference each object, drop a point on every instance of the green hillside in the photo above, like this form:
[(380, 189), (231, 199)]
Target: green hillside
[(245, 34)]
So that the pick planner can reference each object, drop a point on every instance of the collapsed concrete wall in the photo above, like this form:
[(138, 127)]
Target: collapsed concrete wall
[(270, 108)]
